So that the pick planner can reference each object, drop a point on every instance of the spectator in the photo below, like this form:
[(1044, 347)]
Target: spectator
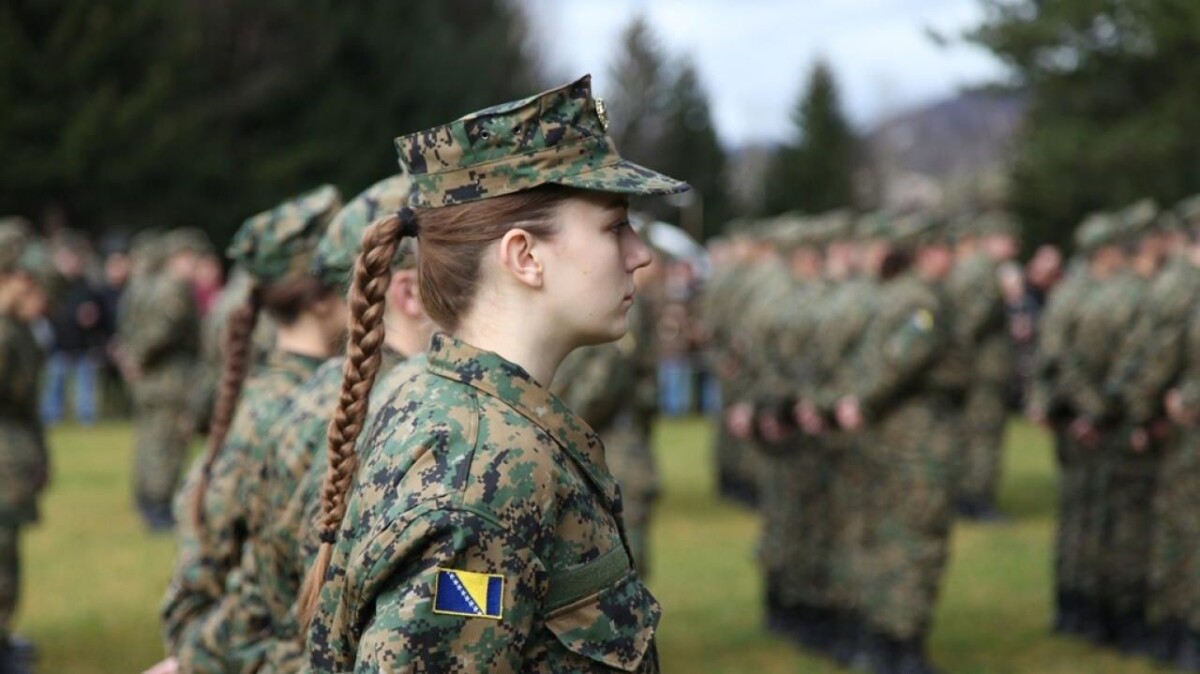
[(116, 267), (78, 337)]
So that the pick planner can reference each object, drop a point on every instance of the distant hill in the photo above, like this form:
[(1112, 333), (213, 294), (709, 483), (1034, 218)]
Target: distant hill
[(951, 147)]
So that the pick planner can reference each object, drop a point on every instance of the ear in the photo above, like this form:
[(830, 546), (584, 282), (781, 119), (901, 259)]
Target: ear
[(519, 254), (404, 294)]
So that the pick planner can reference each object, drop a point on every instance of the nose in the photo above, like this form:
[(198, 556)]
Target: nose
[(637, 253)]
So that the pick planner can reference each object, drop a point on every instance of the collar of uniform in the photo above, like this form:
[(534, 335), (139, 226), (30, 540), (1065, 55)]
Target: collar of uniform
[(490, 373), (297, 364)]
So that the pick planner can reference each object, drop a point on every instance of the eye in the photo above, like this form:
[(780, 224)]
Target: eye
[(619, 226)]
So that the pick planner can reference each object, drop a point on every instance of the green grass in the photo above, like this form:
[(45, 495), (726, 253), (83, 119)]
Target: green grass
[(94, 577)]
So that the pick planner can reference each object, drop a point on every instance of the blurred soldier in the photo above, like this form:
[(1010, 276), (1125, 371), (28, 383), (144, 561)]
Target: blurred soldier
[(852, 266), (1049, 407), (27, 281), (1133, 465), (1177, 545), (907, 397), (159, 340), (1155, 354), (980, 329), (1101, 317)]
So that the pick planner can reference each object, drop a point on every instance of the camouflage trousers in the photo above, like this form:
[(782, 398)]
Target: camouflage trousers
[(1175, 556), (1126, 521), (984, 419), (161, 431), (10, 574), (913, 476), (1077, 540), (806, 531), (848, 520)]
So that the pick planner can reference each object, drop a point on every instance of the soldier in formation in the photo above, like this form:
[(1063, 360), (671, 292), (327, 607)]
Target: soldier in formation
[(865, 381), (28, 283), (1114, 360)]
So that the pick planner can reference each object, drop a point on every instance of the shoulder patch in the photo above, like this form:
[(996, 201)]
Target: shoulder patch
[(468, 594), (923, 320)]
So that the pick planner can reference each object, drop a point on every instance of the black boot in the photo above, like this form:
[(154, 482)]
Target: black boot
[(777, 618), (824, 630), (910, 657), (1062, 618), (16, 656), (1133, 635), (1168, 639), (159, 518), (882, 654), (1188, 658), (866, 644), (1091, 620), (802, 626), (842, 646), (987, 512)]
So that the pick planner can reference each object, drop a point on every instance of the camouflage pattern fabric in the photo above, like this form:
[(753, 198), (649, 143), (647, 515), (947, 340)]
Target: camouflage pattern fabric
[(280, 242), (24, 460), (604, 385), (202, 632), (555, 137), (476, 469), (906, 391), (158, 327), (1182, 488), (979, 326), (844, 323), (338, 247)]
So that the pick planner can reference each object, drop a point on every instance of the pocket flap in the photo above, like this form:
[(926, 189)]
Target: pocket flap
[(615, 626)]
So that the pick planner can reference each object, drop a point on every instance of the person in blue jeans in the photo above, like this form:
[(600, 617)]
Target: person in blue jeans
[(79, 326)]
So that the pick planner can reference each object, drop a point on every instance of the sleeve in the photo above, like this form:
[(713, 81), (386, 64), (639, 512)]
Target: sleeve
[(976, 304), (231, 635), (453, 590), (173, 307), (1149, 359), (904, 349)]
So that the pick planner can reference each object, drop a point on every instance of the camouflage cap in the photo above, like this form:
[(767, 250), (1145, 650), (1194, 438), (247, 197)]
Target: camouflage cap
[(918, 229), (15, 234), (281, 241), (556, 137), (339, 246), (1189, 210), (996, 223), (1138, 218), (35, 260), (1096, 231), (186, 239), (872, 226), (835, 225), (147, 250)]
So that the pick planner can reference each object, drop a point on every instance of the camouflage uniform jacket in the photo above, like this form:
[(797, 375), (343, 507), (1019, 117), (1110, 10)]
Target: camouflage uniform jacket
[(282, 548), (159, 328), (1102, 315), (973, 290), (1151, 355), (907, 349), (1054, 341), (22, 441), (477, 469), (845, 317), (199, 632)]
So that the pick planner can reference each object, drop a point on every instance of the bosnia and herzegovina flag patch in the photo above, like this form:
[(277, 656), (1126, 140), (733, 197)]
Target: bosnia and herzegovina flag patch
[(464, 593)]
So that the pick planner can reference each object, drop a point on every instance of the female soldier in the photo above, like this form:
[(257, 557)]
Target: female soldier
[(276, 248), (484, 531)]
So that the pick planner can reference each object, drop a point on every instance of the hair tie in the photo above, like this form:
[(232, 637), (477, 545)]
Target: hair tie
[(329, 537), (408, 222)]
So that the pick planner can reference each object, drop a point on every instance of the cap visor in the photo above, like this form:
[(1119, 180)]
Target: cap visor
[(624, 177)]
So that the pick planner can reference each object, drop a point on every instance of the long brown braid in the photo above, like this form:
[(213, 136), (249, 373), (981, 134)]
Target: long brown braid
[(237, 346), (368, 294)]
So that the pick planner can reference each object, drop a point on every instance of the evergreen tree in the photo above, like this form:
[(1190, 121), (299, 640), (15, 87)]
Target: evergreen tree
[(692, 151), (639, 99), (815, 171), (1114, 104)]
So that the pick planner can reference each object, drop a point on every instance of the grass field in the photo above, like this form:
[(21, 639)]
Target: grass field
[(94, 577)]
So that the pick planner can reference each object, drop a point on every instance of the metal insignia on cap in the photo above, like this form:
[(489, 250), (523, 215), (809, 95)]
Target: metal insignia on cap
[(602, 113)]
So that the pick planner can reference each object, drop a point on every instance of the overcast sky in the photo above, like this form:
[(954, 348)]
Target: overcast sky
[(753, 54)]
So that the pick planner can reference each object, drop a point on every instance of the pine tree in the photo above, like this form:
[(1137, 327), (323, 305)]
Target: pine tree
[(692, 151), (1114, 106), (815, 171)]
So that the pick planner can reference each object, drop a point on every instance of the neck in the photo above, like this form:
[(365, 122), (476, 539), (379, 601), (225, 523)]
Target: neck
[(518, 337), (303, 337), (404, 335)]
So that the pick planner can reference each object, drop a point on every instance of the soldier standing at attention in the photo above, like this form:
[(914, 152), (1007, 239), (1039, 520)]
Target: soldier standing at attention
[(980, 326), (160, 327), (276, 248), (484, 530), (907, 397), (27, 281)]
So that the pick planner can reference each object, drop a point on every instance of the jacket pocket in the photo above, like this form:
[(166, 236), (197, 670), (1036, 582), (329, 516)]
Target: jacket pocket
[(614, 627)]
